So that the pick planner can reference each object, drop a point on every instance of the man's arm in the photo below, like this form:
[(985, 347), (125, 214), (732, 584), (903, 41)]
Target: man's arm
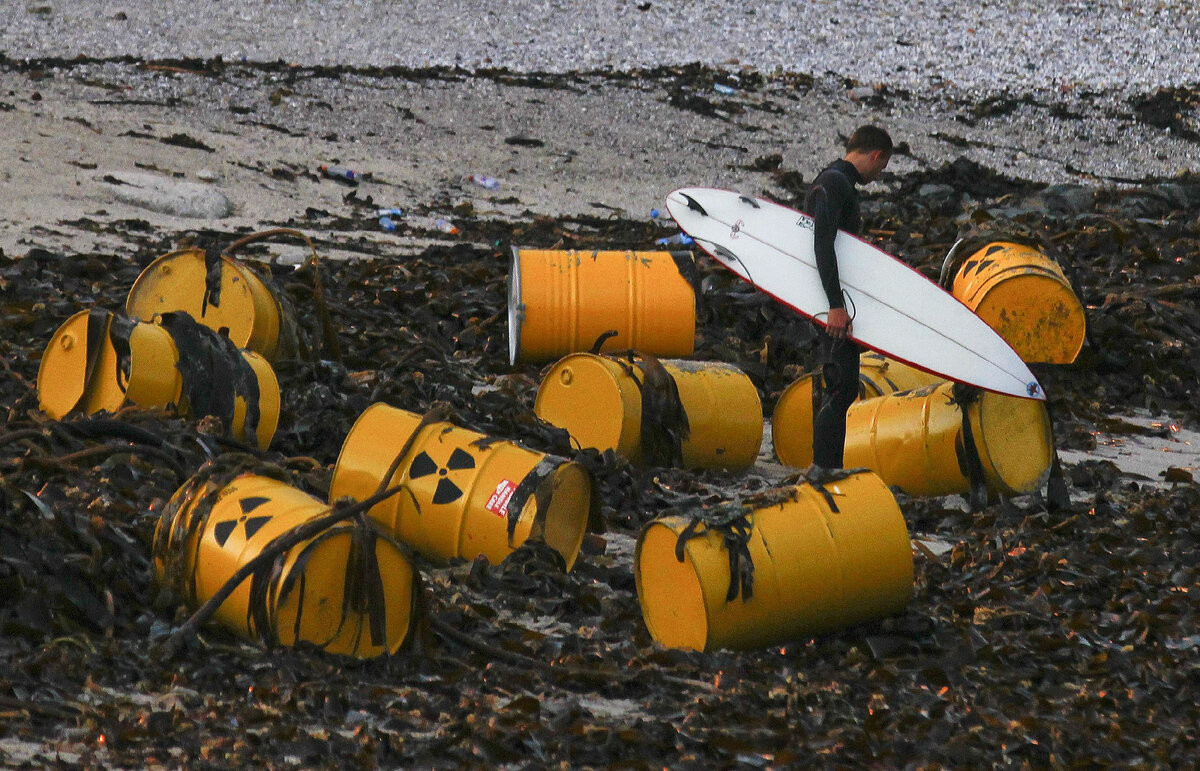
[(825, 203)]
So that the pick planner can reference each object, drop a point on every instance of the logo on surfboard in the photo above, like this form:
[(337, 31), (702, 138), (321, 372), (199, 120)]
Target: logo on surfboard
[(737, 228), (805, 221)]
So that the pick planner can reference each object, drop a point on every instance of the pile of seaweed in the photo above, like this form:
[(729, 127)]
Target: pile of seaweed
[(1044, 637)]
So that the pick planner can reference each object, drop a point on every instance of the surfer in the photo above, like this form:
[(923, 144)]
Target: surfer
[(832, 202)]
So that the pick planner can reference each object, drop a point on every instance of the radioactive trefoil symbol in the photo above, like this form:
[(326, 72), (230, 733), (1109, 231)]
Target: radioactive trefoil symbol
[(446, 491), (222, 530)]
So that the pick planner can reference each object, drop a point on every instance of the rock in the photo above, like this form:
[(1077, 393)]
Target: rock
[(1069, 199), (168, 196), (207, 175)]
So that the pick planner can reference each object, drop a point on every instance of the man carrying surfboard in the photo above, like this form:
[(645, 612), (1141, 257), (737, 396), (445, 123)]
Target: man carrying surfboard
[(833, 203)]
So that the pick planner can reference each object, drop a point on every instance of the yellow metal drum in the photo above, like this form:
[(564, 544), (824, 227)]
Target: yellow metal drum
[(247, 309), (208, 533), (562, 301), (914, 441), (815, 569), (599, 400), (1026, 298), (82, 371), (792, 421), (461, 487)]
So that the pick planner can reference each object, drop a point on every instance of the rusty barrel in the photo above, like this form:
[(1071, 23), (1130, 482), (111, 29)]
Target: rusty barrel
[(1026, 298)]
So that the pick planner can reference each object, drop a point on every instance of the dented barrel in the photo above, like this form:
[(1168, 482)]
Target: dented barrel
[(562, 301), (100, 361), (347, 590), (670, 412), (465, 494), (927, 441), (1026, 298), (821, 558), (222, 293), (792, 420)]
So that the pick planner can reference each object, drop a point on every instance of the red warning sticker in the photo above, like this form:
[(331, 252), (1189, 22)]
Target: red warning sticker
[(498, 502)]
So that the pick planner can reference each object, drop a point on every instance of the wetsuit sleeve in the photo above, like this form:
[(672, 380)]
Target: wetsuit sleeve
[(825, 203)]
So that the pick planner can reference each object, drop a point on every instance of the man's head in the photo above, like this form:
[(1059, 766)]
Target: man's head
[(869, 148)]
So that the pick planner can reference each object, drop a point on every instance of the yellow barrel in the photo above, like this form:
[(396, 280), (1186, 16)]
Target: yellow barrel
[(815, 569), (561, 301), (207, 533), (792, 421), (245, 307), (1026, 298), (462, 488), (913, 440), (600, 400), (99, 361)]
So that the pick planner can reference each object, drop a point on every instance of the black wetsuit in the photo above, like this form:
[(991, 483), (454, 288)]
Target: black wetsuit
[(833, 204)]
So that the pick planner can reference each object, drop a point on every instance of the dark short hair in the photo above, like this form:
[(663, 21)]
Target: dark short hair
[(868, 139)]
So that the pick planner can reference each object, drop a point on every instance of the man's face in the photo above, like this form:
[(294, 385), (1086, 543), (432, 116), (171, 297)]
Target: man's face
[(877, 161)]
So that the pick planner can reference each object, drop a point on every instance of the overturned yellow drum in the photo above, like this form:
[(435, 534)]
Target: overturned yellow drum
[(100, 361), (669, 412), (347, 590), (1026, 298), (792, 421), (917, 441), (815, 568), (562, 301), (465, 494), (220, 292)]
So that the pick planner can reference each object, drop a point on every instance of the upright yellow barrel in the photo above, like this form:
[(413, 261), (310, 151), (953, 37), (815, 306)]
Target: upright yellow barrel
[(1026, 298), (815, 569), (562, 301), (245, 308), (792, 421), (318, 594), (82, 371), (602, 402), (915, 440), (462, 488)]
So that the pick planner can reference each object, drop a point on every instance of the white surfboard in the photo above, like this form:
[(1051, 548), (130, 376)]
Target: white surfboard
[(895, 310)]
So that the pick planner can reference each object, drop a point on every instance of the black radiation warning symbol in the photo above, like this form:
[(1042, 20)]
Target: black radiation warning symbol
[(447, 491), (222, 530)]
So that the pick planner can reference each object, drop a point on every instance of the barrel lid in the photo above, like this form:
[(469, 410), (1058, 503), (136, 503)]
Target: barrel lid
[(65, 381), (669, 589), (583, 394), (1015, 441), (177, 282)]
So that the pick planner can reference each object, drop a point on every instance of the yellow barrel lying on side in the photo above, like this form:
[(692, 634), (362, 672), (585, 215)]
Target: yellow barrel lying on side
[(815, 569), (245, 308), (915, 440), (792, 421), (1026, 298), (324, 591), (82, 371), (462, 488), (561, 301), (602, 402)]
